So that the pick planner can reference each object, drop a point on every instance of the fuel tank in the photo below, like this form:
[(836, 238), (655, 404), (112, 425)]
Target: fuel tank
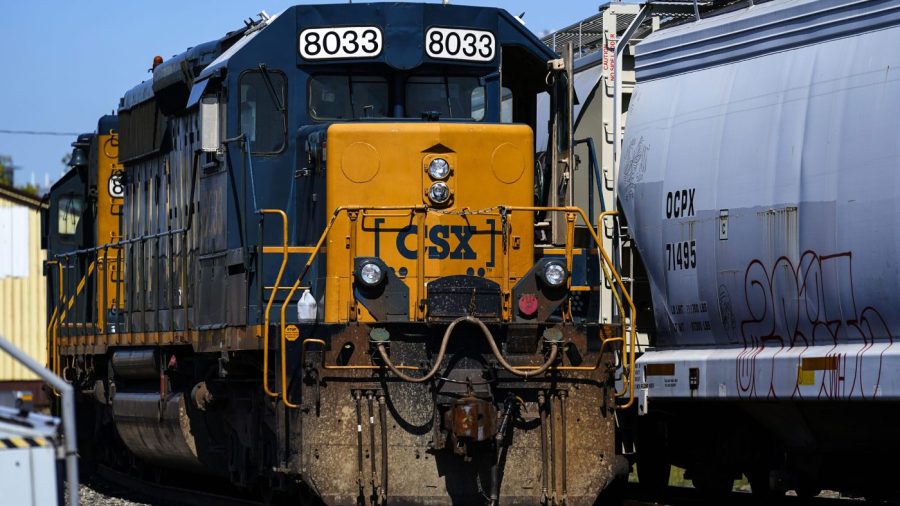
[(759, 180)]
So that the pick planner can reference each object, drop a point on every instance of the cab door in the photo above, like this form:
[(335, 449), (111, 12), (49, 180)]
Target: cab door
[(68, 228)]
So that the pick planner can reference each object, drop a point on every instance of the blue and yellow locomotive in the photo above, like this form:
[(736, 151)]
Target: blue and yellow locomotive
[(333, 270)]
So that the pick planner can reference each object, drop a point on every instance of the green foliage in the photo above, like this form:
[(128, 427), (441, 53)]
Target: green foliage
[(6, 168), (31, 188), (6, 177)]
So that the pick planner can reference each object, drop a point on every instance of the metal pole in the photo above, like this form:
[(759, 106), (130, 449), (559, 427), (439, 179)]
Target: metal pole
[(68, 413)]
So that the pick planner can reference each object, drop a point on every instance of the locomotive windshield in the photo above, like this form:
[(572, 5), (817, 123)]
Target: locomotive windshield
[(348, 97), (451, 97)]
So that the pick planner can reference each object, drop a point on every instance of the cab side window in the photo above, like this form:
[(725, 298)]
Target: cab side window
[(506, 105), (68, 214), (262, 112)]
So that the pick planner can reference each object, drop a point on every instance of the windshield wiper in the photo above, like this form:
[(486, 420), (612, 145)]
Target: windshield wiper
[(271, 87)]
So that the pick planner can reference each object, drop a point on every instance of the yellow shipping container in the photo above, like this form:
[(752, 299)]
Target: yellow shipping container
[(23, 292)]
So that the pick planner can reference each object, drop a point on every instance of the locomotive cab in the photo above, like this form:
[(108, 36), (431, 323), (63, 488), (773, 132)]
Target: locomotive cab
[(64, 228)]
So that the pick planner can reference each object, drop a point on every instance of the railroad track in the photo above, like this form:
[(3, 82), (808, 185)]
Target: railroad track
[(684, 496), (131, 487)]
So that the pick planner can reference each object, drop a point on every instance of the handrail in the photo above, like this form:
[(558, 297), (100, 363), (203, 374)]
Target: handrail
[(284, 260), (315, 252), (52, 346), (609, 272), (629, 362), (123, 242), (632, 344), (286, 303), (65, 310)]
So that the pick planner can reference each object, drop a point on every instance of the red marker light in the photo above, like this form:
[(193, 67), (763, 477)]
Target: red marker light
[(528, 304)]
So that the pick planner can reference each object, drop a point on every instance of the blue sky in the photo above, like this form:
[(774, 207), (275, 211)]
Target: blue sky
[(65, 63)]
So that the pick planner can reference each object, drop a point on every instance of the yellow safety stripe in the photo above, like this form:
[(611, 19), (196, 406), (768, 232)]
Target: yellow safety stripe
[(23, 442)]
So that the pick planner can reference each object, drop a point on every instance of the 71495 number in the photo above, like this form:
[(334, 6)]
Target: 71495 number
[(340, 42), (681, 255)]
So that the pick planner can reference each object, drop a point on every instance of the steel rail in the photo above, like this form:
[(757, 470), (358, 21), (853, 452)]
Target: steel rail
[(129, 486)]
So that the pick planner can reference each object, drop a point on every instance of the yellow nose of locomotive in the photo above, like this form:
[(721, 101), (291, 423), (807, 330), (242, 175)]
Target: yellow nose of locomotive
[(418, 206)]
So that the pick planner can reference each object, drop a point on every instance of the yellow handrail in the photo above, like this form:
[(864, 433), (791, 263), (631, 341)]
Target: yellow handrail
[(572, 213), (52, 357), (287, 301), (284, 260), (627, 364), (71, 302)]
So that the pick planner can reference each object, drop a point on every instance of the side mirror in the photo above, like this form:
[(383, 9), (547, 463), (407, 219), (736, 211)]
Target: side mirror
[(209, 124)]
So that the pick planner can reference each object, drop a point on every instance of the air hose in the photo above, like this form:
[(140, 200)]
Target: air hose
[(554, 349)]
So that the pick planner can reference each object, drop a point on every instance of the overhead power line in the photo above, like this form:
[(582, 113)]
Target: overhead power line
[(36, 132)]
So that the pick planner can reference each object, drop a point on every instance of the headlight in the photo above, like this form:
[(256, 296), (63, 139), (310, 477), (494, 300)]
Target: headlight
[(439, 193), (554, 274), (439, 169), (370, 274)]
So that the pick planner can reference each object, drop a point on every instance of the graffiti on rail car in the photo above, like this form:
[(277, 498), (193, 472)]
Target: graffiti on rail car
[(795, 306)]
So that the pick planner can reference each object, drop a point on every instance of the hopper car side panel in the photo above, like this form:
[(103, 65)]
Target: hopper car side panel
[(765, 204), (758, 179)]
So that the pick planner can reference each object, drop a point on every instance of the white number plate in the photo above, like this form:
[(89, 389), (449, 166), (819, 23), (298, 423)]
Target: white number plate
[(116, 184), (460, 44), (340, 42)]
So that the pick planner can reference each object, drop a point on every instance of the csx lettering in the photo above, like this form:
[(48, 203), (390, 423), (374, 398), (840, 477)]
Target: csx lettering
[(440, 237), (680, 204)]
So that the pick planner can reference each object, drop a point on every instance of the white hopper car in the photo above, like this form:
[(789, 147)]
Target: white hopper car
[(760, 178)]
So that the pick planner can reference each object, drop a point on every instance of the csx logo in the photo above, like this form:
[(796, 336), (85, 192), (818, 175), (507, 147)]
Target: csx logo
[(442, 241)]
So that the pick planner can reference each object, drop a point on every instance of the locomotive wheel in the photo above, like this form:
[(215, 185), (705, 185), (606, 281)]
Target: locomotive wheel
[(806, 488), (653, 467), (712, 482), (876, 496), (760, 484), (614, 493), (653, 472)]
